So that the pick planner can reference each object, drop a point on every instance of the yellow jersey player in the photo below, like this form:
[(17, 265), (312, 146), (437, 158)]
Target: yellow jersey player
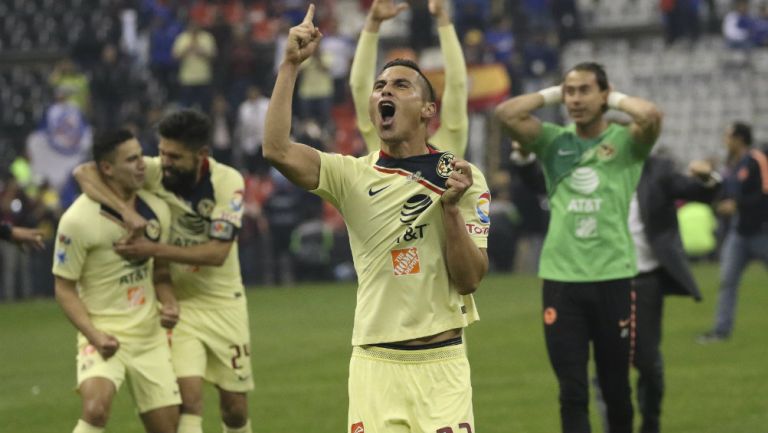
[(418, 224), (454, 121), (212, 340), (113, 302)]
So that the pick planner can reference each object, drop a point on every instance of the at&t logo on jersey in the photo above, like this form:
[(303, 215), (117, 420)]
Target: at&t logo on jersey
[(584, 180), (484, 207)]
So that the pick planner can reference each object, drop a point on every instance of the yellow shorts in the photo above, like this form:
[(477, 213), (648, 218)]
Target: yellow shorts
[(410, 391), (214, 344), (147, 365)]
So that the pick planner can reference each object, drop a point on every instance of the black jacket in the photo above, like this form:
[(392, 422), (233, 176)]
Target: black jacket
[(659, 188)]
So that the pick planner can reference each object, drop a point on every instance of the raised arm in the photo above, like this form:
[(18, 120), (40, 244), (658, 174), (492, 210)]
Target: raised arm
[(646, 118), (298, 162), (516, 114), (363, 71), (75, 310), (466, 262), (454, 122)]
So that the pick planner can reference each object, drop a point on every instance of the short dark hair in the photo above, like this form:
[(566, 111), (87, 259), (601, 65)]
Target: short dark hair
[(411, 64), (596, 68), (742, 131), (189, 127), (105, 143)]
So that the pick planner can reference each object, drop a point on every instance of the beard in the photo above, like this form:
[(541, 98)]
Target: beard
[(180, 182)]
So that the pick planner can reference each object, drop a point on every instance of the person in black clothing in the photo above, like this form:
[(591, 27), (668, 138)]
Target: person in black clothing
[(662, 264), (22, 235), (746, 190)]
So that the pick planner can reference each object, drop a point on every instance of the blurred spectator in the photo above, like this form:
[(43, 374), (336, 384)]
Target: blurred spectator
[(250, 131), (316, 88), (222, 36), (61, 142), (737, 24), (15, 209), (66, 75), (242, 66), (470, 14), (222, 130), (681, 19), (163, 32), (195, 49), (339, 49), (110, 84), (567, 20), (286, 209), (501, 40), (476, 52), (503, 237), (760, 26)]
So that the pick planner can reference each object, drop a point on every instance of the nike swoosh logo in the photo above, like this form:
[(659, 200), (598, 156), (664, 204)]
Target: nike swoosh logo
[(372, 193), (565, 152)]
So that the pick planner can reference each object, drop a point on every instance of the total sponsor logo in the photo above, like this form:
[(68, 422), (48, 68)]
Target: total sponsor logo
[(483, 207), (474, 229)]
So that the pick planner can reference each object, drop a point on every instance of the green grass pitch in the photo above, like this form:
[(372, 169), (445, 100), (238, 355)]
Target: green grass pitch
[(300, 350)]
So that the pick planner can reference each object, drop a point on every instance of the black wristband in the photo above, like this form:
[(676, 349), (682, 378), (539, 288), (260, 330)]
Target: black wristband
[(5, 231)]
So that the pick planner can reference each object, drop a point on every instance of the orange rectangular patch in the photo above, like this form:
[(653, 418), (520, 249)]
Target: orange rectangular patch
[(136, 296), (406, 261)]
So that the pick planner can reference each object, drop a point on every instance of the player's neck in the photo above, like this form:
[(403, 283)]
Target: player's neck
[(123, 193), (406, 148), (592, 129)]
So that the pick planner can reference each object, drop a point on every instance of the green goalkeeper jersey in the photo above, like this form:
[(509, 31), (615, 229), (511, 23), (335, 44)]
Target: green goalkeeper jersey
[(590, 183)]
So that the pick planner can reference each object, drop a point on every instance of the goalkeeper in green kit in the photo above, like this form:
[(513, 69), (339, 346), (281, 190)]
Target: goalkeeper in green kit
[(588, 259)]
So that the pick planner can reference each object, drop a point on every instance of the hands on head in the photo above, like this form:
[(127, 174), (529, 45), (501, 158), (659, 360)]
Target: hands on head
[(303, 39)]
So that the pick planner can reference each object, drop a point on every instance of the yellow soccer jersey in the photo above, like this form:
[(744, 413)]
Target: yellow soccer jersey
[(213, 210), (395, 222), (118, 294)]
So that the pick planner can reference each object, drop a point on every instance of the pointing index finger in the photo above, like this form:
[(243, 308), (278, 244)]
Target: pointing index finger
[(310, 14)]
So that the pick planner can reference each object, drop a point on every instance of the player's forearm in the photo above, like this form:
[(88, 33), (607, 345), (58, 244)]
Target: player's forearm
[(277, 129), (453, 110), (211, 253), (361, 78), (75, 310), (87, 176), (161, 278), (467, 264), (517, 119), (644, 114)]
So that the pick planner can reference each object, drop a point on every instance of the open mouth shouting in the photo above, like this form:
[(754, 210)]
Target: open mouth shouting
[(387, 113)]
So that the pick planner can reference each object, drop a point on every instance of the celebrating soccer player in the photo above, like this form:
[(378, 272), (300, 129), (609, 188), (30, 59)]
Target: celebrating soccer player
[(454, 122), (112, 300), (418, 225), (588, 259), (212, 339)]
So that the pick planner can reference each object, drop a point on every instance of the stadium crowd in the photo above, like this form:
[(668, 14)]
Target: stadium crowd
[(131, 62)]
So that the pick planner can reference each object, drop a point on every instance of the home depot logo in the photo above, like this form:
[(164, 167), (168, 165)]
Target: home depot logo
[(136, 296), (357, 428), (406, 261)]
